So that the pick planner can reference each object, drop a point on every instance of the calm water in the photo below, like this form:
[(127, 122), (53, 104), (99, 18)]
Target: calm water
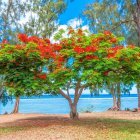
[(58, 105)]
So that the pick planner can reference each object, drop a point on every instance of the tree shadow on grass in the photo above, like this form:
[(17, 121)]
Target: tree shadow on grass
[(132, 127)]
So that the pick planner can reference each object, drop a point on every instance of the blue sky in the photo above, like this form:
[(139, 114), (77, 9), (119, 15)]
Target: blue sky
[(74, 10)]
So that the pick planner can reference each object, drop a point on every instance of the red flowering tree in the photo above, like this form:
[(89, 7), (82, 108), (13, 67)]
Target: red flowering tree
[(121, 73), (83, 60), (130, 63), (22, 64)]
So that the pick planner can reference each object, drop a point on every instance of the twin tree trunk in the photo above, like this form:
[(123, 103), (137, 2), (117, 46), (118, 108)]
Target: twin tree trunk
[(114, 102), (118, 96), (73, 111), (116, 93), (16, 107), (73, 103)]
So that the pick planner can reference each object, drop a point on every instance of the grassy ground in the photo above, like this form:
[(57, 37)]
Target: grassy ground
[(64, 129)]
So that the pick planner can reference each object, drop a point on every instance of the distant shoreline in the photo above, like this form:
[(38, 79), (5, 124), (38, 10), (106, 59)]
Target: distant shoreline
[(72, 96)]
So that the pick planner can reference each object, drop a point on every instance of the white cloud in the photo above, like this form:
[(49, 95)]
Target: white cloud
[(25, 19), (134, 90), (62, 27), (75, 23), (85, 27)]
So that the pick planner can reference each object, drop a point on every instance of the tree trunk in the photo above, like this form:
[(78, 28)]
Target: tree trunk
[(73, 103), (119, 102), (115, 106), (138, 30), (118, 96), (16, 107), (138, 91), (138, 25), (73, 111), (112, 91)]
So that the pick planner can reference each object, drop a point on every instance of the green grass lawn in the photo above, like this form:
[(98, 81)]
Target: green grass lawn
[(91, 129)]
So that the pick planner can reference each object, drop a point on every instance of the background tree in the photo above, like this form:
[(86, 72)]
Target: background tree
[(43, 17), (10, 15), (130, 64), (120, 17)]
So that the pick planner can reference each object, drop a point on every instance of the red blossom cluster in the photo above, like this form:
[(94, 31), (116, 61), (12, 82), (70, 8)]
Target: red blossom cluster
[(23, 38), (88, 49), (90, 57), (79, 49), (19, 47), (35, 39), (106, 73), (71, 31), (64, 43), (113, 40), (56, 47), (4, 41), (113, 51), (131, 46), (107, 33), (59, 60), (46, 51), (41, 76), (91, 49), (80, 32)]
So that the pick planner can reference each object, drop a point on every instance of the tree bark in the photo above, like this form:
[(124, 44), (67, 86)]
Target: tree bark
[(118, 96), (16, 107), (115, 106), (138, 91), (73, 111), (136, 17), (138, 21), (73, 104), (119, 102), (112, 91)]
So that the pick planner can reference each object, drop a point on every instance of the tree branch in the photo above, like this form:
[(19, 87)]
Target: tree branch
[(64, 95), (78, 95), (121, 22), (68, 86)]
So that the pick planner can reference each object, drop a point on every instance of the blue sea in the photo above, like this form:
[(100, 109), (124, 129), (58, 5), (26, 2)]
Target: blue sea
[(49, 104)]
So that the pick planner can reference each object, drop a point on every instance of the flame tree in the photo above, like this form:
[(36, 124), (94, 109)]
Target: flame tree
[(20, 64), (85, 60)]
